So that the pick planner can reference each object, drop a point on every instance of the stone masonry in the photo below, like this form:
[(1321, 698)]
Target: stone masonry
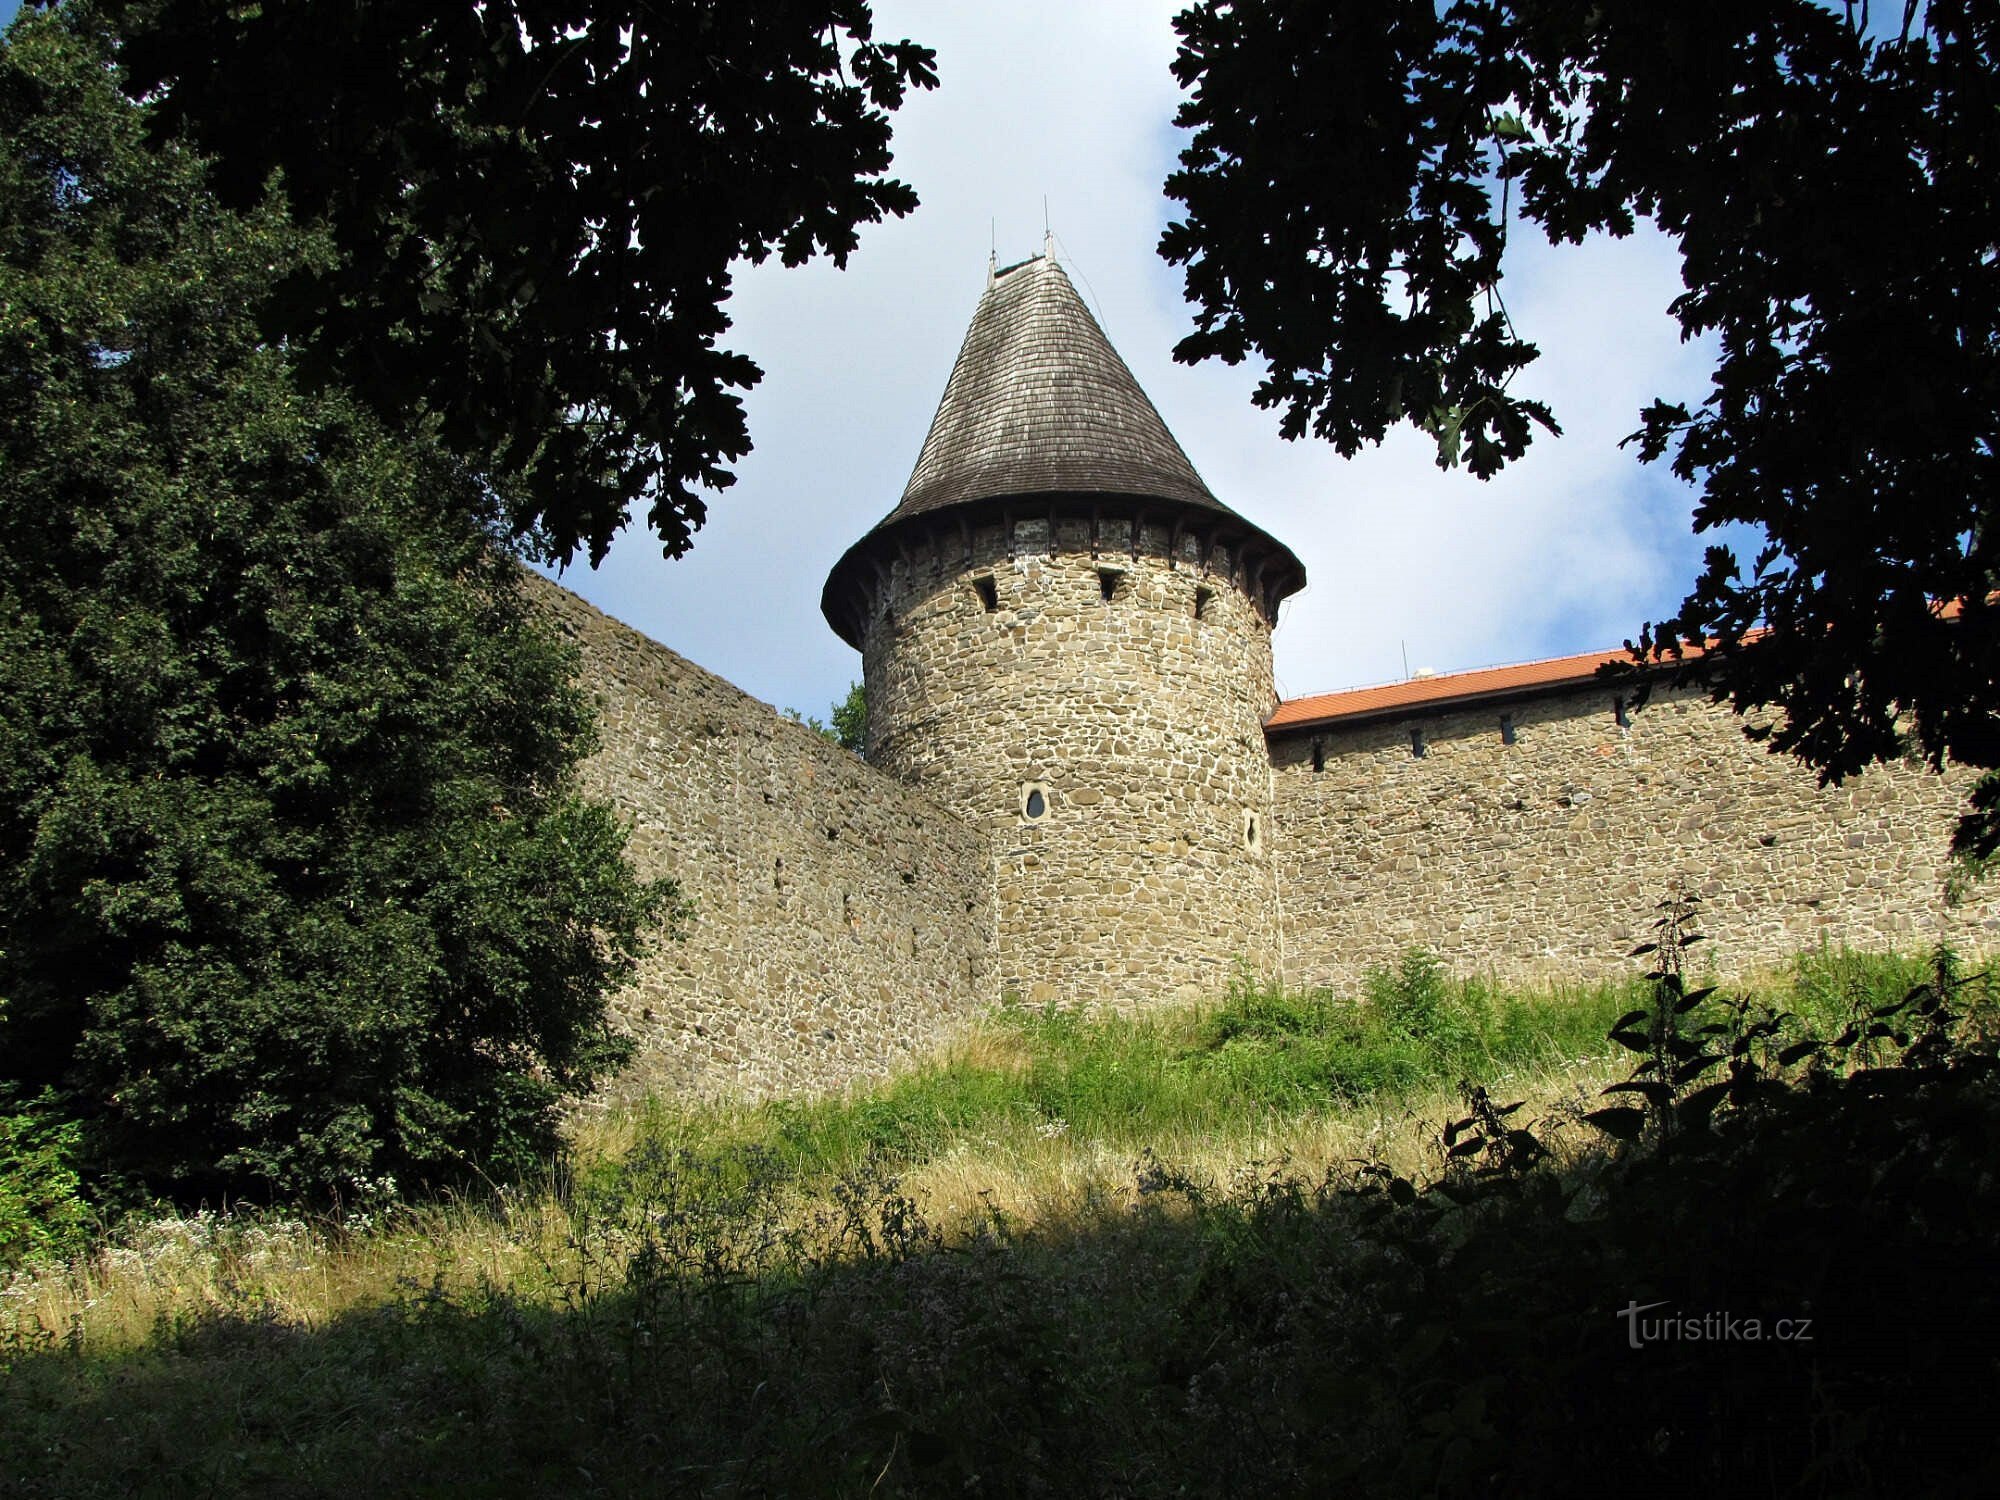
[(1126, 686), (1543, 858), (1082, 789), (842, 923)]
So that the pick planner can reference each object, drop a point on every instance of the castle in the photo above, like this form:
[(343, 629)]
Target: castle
[(1080, 786)]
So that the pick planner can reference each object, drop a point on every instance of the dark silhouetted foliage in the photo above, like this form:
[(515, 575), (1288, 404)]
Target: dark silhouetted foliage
[(1794, 1298), (1353, 177), (535, 206)]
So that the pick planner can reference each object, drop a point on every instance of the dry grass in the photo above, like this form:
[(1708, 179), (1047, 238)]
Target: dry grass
[(303, 1273), (293, 1271), (1049, 1179)]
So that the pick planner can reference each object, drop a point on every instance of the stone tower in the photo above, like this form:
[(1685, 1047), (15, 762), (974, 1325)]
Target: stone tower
[(1066, 639)]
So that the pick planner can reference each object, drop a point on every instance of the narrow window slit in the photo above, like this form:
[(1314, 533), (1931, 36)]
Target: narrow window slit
[(1203, 597), (989, 593), (1417, 743), (1506, 729)]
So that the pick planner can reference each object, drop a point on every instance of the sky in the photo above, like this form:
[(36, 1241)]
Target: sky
[(1569, 550), (1409, 568)]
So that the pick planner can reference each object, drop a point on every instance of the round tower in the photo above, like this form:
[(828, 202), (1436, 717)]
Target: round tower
[(1066, 639)]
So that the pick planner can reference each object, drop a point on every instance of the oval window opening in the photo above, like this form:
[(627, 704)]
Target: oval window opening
[(1037, 804)]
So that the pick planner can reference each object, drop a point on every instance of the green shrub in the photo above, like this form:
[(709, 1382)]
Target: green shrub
[(296, 887), (1418, 999), (42, 1213), (1826, 987)]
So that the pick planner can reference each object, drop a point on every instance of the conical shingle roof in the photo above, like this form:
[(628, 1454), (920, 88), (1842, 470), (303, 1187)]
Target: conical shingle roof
[(1039, 405), (1038, 402)]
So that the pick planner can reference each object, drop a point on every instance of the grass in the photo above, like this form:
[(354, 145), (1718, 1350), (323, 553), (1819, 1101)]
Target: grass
[(1074, 1254), (1128, 1080), (1037, 1116)]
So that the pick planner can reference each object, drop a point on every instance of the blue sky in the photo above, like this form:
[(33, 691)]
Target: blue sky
[(1569, 550)]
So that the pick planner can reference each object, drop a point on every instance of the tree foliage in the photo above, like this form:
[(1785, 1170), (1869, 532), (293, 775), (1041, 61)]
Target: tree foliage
[(535, 206), (850, 719), (1349, 190), (849, 728), (295, 887)]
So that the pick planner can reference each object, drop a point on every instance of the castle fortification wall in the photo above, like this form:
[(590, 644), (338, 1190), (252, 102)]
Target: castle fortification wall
[(842, 923), (1063, 656), (1544, 858)]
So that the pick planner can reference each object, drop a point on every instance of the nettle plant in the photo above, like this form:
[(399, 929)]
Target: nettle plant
[(1681, 1039), (1698, 1052)]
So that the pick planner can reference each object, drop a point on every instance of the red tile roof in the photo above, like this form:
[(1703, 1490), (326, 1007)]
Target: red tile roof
[(1484, 682), (1434, 692)]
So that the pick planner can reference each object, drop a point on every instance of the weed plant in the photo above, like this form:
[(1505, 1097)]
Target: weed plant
[(1127, 1080), (740, 1312)]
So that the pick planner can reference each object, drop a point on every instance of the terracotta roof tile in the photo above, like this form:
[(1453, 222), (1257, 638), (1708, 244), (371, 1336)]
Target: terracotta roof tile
[(1434, 692), (1484, 682)]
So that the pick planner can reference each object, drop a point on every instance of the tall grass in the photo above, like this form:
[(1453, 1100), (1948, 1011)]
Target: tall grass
[(1125, 1080), (722, 1302), (1037, 1114)]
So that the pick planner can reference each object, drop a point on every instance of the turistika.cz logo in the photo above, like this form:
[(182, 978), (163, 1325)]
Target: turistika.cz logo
[(1707, 1328)]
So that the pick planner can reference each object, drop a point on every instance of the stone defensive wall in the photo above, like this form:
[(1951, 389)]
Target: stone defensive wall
[(1543, 857), (842, 924), (1091, 691)]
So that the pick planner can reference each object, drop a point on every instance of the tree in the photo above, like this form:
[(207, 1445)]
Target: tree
[(534, 206), (850, 719), (296, 889), (849, 729), (1349, 189)]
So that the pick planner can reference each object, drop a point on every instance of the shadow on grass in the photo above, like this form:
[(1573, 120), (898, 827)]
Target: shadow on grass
[(1798, 1301)]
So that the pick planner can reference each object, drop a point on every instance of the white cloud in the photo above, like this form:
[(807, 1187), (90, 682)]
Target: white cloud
[(1567, 551)]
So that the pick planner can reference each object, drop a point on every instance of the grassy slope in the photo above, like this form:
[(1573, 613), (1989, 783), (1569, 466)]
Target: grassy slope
[(721, 1302)]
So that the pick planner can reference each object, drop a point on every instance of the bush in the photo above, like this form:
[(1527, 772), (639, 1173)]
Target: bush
[(296, 890), (41, 1209), (1419, 1000)]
